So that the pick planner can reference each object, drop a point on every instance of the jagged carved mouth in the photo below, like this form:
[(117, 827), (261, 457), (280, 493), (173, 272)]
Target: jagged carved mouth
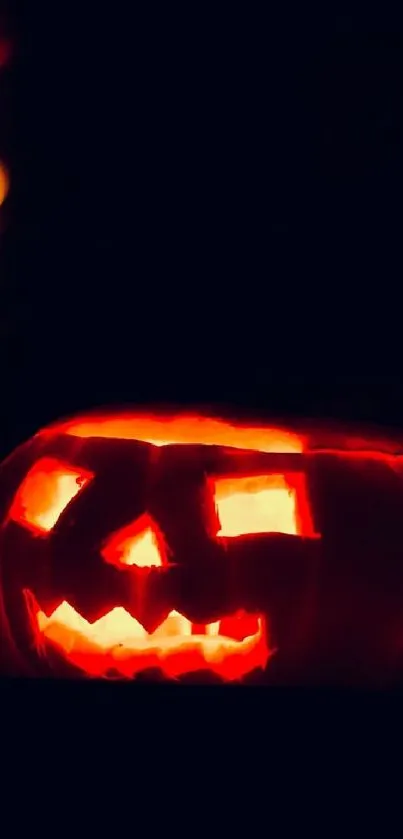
[(117, 642)]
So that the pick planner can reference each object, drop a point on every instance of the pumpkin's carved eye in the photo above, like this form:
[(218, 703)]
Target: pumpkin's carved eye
[(262, 504), (139, 543), (45, 492)]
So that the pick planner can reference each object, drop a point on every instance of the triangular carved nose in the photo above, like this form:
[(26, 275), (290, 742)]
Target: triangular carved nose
[(139, 544)]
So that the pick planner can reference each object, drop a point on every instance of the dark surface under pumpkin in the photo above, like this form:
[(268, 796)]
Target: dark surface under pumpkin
[(192, 548)]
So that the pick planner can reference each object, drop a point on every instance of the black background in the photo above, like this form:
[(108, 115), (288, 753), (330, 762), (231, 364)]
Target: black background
[(204, 208)]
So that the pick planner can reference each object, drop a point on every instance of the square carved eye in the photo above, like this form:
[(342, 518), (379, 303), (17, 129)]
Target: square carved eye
[(263, 504), (45, 492)]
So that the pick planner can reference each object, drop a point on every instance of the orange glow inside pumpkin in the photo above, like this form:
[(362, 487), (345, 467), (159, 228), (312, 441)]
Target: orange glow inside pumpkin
[(139, 543), (260, 504), (230, 648), (191, 430), (45, 492), (117, 642)]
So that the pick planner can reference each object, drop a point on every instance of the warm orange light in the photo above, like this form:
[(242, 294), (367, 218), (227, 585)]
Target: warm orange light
[(45, 492), (162, 431), (142, 551), (261, 504), (4, 183), (139, 543), (118, 642)]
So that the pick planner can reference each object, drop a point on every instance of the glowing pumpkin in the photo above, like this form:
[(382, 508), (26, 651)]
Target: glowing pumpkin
[(170, 546)]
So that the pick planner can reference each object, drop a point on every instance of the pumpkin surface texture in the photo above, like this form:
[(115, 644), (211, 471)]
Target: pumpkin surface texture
[(186, 547)]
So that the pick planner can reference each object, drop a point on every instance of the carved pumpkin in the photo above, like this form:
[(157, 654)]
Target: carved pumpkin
[(186, 546)]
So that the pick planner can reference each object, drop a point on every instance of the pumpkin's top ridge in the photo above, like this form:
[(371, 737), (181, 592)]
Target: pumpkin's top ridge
[(163, 428)]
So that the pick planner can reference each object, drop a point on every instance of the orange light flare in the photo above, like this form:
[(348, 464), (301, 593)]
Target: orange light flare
[(118, 642), (45, 492), (4, 183)]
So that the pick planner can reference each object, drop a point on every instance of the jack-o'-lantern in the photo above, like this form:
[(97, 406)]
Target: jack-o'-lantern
[(185, 547)]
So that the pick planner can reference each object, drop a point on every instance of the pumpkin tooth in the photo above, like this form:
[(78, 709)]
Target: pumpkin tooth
[(174, 624), (115, 627), (213, 628), (66, 615)]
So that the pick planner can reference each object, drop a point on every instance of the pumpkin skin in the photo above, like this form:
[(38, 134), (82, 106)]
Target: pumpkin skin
[(191, 548)]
